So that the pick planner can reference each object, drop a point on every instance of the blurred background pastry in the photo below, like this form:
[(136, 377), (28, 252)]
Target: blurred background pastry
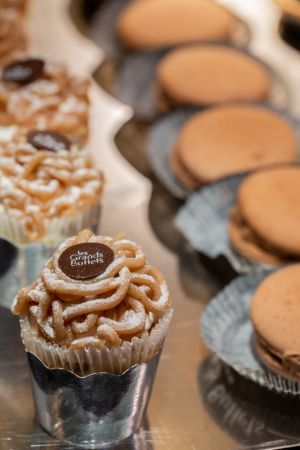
[(154, 24), (207, 74)]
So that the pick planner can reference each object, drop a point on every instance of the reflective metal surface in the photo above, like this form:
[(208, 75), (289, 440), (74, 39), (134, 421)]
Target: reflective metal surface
[(192, 406), (93, 411)]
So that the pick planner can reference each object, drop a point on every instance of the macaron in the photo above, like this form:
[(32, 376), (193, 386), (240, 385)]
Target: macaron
[(265, 222), (229, 139), (209, 74), (275, 314), (154, 24)]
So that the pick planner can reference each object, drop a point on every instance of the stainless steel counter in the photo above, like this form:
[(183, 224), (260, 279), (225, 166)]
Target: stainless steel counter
[(197, 403)]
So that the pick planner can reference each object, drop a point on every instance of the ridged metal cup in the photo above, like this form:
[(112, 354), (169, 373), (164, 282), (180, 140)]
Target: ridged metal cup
[(95, 411)]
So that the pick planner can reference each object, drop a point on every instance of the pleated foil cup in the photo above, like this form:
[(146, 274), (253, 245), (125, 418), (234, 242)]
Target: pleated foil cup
[(96, 411), (57, 229), (162, 138), (134, 84), (89, 397), (227, 330), (103, 28), (204, 218)]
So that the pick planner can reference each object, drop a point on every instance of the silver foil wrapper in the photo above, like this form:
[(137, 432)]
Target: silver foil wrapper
[(95, 411), (227, 330), (203, 220), (134, 83), (161, 140)]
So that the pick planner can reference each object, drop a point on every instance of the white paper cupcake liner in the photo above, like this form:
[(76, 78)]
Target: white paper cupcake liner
[(204, 218), (87, 361), (104, 34), (227, 330), (134, 84), (163, 135), (57, 229)]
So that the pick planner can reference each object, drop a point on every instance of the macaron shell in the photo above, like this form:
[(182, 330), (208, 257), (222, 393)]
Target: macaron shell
[(151, 24), (269, 203), (247, 247), (206, 74), (230, 139), (275, 310), (181, 173)]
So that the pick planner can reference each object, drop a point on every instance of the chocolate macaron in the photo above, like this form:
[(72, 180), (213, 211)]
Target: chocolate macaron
[(230, 139), (148, 25), (209, 74), (265, 222), (275, 314)]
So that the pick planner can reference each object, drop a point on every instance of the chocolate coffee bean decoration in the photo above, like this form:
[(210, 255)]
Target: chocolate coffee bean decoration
[(48, 140), (86, 260), (23, 71)]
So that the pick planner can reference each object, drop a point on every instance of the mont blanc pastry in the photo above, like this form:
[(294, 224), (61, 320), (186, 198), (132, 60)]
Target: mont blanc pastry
[(47, 194), (97, 294), (41, 94)]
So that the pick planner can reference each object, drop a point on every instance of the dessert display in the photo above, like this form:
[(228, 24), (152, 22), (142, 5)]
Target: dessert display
[(264, 224), (46, 194), (95, 293), (275, 314), (251, 137), (12, 35), (154, 24), (39, 93), (94, 320), (207, 74)]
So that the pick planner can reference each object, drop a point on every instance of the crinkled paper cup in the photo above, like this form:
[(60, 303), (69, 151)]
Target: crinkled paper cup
[(57, 229), (134, 84), (163, 135), (227, 329), (102, 397), (203, 220)]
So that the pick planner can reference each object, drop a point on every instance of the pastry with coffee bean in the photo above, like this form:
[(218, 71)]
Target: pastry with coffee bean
[(203, 75), (12, 35), (41, 94), (275, 314), (98, 305), (16, 5), (18, 145), (47, 194), (230, 139), (264, 224), (155, 24)]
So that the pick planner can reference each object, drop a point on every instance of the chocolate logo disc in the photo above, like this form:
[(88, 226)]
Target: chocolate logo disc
[(48, 140), (24, 71), (86, 260)]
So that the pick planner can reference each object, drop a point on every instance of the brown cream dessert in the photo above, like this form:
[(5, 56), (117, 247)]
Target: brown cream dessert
[(264, 224), (12, 35), (96, 291), (275, 314), (230, 139), (207, 75), (37, 93), (39, 186), (155, 24)]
